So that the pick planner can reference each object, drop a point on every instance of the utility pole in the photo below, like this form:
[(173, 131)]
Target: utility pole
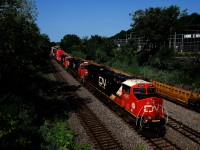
[(170, 36), (131, 35), (175, 42)]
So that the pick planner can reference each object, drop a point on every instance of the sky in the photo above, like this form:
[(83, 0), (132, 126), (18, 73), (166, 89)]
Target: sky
[(84, 18)]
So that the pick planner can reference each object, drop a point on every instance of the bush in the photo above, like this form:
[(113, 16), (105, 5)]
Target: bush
[(58, 135), (140, 147)]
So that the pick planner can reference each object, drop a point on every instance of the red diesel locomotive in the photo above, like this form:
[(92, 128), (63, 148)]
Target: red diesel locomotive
[(136, 97)]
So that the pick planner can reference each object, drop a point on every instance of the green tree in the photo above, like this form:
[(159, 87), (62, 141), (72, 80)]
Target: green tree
[(20, 52), (99, 49), (18, 35), (188, 22), (69, 41), (154, 24)]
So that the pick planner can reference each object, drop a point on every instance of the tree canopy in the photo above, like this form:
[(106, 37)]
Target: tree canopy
[(22, 49), (69, 41), (155, 24), (20, 36)]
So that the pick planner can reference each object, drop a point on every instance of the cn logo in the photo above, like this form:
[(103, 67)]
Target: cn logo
[(102, 82), (150, 108)]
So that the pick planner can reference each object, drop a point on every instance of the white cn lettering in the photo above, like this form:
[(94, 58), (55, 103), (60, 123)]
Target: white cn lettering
[(147, 108), (102, 82)]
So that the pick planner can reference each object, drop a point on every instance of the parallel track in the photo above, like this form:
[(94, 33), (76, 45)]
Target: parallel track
[(184, 130), (163, 144), (101, 136)]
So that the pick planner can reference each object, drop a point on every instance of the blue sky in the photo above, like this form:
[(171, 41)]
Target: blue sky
[(57, 18)]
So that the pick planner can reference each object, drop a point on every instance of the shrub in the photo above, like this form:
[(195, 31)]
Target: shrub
[(58, 135)]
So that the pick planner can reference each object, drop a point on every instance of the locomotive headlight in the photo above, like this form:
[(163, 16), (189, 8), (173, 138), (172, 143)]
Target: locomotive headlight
[(147, 103)]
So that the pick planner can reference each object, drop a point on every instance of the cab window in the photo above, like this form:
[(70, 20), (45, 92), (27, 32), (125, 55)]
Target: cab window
[(126, 89), (139, 90), (151, 90), (82, 66)]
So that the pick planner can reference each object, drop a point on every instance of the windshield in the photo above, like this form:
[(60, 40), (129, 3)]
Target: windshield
[(139, 90), (151, 90), (141, 93), (82, 67)]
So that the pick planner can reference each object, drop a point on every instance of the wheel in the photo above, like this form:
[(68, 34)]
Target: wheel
[(126, 118), (119, 112), (192, 103), (162, 132), (197, 106)]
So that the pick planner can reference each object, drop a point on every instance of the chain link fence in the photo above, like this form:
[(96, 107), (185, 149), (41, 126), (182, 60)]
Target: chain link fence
[(188, 42), (185, 42)]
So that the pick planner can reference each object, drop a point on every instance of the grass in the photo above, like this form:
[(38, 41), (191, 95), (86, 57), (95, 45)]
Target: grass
[(164, 76)]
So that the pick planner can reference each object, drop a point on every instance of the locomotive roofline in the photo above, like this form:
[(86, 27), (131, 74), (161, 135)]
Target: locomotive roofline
[(132, 82)]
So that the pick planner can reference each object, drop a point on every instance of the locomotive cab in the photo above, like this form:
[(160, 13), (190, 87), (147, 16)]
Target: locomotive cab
[(53, 51), (139, 98), (78, 67), (82, 71), (58, 54), (65, 60)]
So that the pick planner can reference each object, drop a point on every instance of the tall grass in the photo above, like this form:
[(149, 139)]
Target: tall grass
[(171, 77), (164, 76)]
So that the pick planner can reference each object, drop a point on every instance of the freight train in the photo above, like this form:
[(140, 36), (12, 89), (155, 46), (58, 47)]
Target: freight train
[(186, 98), (136, 97)]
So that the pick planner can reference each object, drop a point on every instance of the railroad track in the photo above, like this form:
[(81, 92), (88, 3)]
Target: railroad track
[(102, 137), (163, 144), (184, 130), (96, 130)]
